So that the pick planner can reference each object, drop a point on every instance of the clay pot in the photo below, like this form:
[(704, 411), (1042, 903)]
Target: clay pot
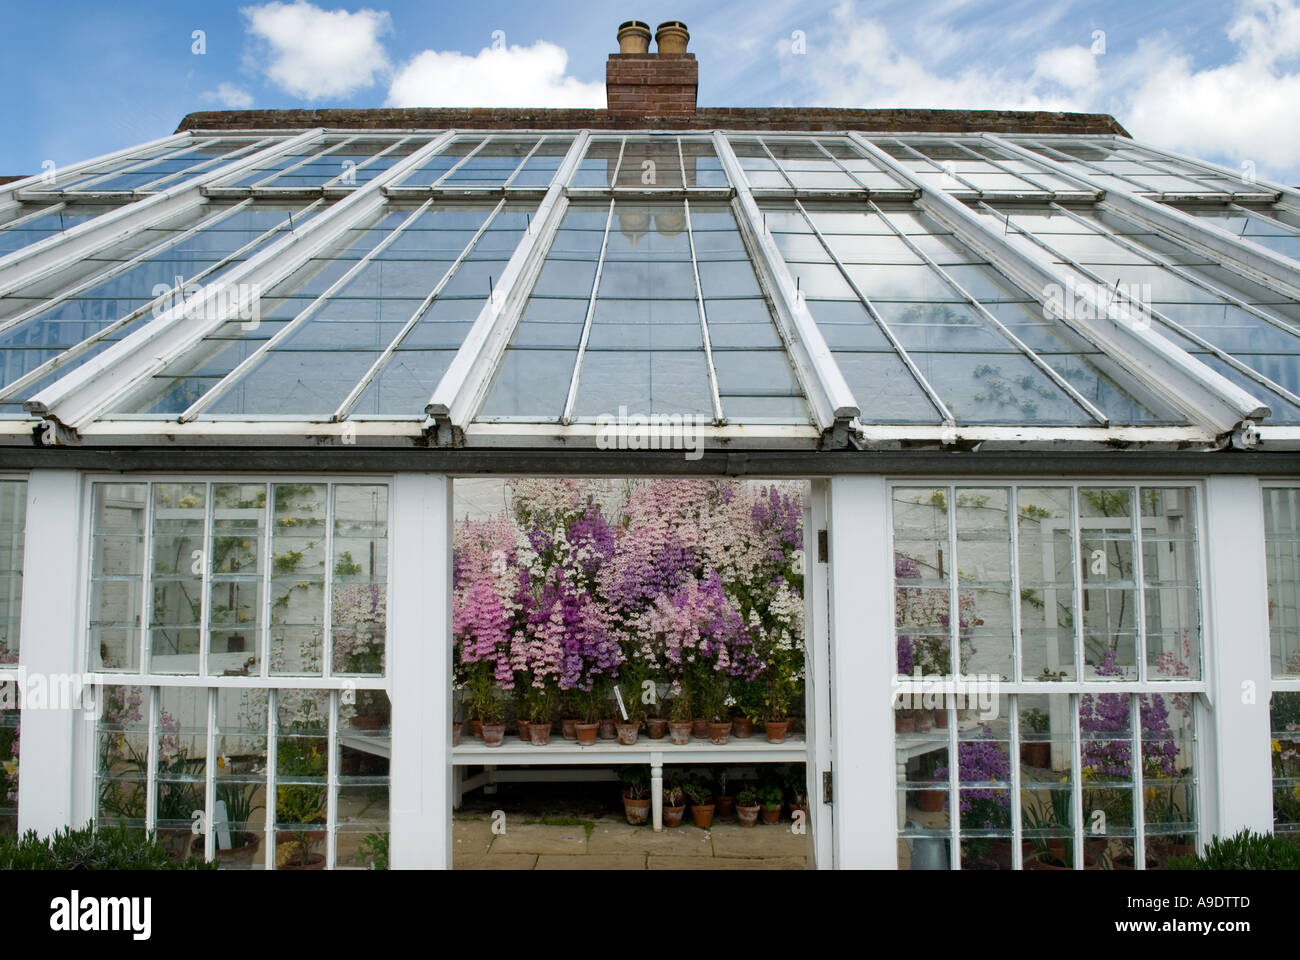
[(567, 728), (771, 814), (925, 722), (365, 722), (606, 730), (656, 727), (586, 733), (523, 731), (748, 816), (702, 814), (700, 728), (931, 801), (726, 806), (539, 734), (1036, 754), (776, 730), (673, 815), (719, 732), (241, 856), (634, 37), (742, 728), (680, 733), (476, 728), (636, 811), (800, 808), (904, 724), (295, 839), (941, 718), (455, 733), (493, 734), (627, 733)]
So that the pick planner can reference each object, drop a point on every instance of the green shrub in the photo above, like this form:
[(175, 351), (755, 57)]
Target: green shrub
[(114, 848), (1243, 851)]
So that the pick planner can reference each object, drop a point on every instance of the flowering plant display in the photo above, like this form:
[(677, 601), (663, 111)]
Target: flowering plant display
[(690, 586)]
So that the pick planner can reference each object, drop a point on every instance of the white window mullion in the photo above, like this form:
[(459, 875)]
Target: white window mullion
[(151, 752), (209, 780), (1139, 799), (146, 599), (1017, 851), (332, 781), (1076, 781), (272, 745), (1139, 601)]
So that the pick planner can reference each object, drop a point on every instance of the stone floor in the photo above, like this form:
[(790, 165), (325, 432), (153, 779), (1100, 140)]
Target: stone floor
[(609, 844)]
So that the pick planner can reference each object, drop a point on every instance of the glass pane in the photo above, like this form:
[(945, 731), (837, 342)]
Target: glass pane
[(236, 593), (13, 521), (1168, 776), (363, 764), (1045, 565), (921, 598), (122, 757), (301, 776), (1170, 575), (176, 579), (117, 575), (1106, 557), (9, 772), (239, 820), (1282, 542), (360, 600), (181, 742), (984, 773), (1284, 714), (1046, 782), (298, 568), (983, 560), (1106, 752)]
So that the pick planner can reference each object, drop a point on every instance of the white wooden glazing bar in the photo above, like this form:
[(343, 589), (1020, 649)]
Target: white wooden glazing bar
[(332, 781), (938, 166), (382, 360), (208, 164), (1139, 796), (219, 389), (505, 184), (209, 778), (1139, 587), (13, 191), (572, 397), (1203, 394), (1046, 369), (780, 167), (94, 386), (455, 167), (1246, 257), (80, 186), (46, 211), (465, 384), (1286, 289), (310, 158), (39, 373), (116, 269), (1013, 514), (681, 163), (151, 765), (395, 145), (46, 257), (1076, 608), (272, 764), (1013, 752), (1065, 158), (714, 397), (1141, 308), (1076, 776), (1258, 214), (831, 401)]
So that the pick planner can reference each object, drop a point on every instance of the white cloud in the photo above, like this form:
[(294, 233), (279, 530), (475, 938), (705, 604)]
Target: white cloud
[(1237, 110), (229, 96), (495, 77), (315, 54)]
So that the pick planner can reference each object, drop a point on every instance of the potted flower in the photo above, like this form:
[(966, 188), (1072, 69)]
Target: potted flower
[(747, 696), (679, 716), (538, 698), (701, 798), (723, 800), (796, 789), (238, 798), (636, 794), (747, 807), (770, 799), (300, 807), (1035, 752), (674, 801)]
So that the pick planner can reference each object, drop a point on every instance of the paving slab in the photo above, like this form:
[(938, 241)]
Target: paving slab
[(540, 838), (495, 861), (471, 836), (622, 838), (726, 863), (763, 840), (595, 861)]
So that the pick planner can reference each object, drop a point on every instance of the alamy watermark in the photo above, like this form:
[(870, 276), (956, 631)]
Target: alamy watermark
[(1091, 301), (30, 690), (211, 301), (656, 431), (932, 692)]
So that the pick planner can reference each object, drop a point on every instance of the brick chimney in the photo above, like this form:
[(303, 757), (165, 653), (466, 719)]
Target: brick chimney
[(643, 84)]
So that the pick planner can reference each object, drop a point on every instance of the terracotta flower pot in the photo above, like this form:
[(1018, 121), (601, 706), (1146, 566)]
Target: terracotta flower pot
[(742, 728), (586, 733), (493, 734), (748, 816), (941, 718), (797, 809), (627, 733), (904, 724), (476, 728), (700, 728), (523, 731), (656, 727), (298, 844), (771, 814), (680, 733), (455, 733), (1036, 754), (567, 728), (241, 856), (776, 730), (931, 801), (539, 734), (367, 722), (637, 811), (726, 806), (719, 732), (702, 814), (606, 730), (673, 815)]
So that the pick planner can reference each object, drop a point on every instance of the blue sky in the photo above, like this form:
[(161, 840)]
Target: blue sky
[(1217, 80)]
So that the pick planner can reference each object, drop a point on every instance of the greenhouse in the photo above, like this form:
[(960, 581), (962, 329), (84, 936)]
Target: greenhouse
[(911, 473)]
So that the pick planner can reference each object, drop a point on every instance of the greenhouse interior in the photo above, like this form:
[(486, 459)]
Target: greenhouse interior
[(651, 487)]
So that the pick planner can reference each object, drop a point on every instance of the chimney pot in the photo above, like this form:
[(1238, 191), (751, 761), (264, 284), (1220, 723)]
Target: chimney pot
[(671, 36), (634, 37)]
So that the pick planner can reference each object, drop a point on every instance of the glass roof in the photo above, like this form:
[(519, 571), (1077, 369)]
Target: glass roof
[(768, 281)]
